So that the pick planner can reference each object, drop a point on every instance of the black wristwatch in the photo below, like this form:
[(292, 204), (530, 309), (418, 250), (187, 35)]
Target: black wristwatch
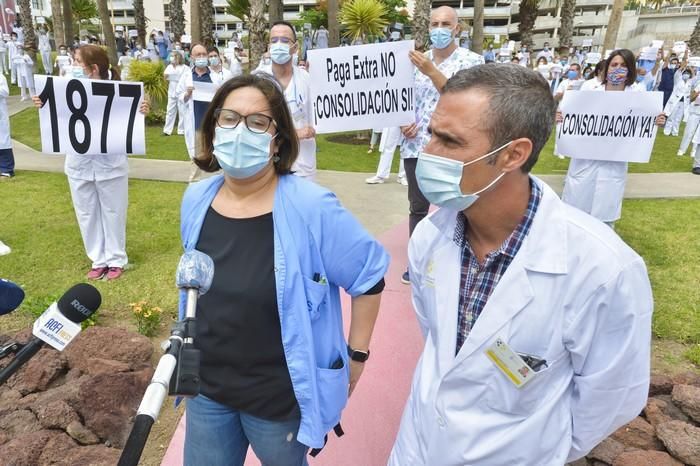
[(356, 355)]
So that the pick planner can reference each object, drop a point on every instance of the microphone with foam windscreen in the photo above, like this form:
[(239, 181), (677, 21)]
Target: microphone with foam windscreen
[(58, 325), (11, 296)]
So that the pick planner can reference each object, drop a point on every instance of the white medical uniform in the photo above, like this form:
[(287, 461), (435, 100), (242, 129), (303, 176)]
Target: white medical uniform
[(675, 108), (596, 186), (45, 50), (173, 74), (391, 137), (25, 74), (3, 57), (5, 141), (298, 97), (693, 120), (574, 295), (221, 76), (64, 64), (11, 53)]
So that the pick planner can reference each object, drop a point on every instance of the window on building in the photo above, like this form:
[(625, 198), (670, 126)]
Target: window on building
[(167, 25), (231, 26), (291, 8), (166, 10), (130, 13), (37, 4), (220, 10)]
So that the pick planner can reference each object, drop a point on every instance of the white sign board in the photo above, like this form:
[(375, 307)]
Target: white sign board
[(612, 126), (679, 47), (694, 61), (505, 52), (657, 44), (185, 39), (40, 20), (362, 87), (592, 58), (307, 26), (119, 28), (587, 42), (133, 33), (648, 53), (90, 117), (204, 92)]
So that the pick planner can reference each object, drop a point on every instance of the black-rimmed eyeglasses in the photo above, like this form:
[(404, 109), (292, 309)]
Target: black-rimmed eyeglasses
[(255, 122)]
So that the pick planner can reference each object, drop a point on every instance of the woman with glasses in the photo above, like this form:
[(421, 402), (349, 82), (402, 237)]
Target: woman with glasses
[(276, 370)]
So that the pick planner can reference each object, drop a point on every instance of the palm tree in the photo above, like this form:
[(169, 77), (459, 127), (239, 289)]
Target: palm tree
[(195, 25), (206, 24), (363, 18), (57, 19), (478, 27), (613, 25), (694, 41), (108, 32), (421, 23), (256, 28), (68, 21), (566, 30), (177, 19), (25, 14), (333, 25), (140, 20), (528, 16), (275, 11)]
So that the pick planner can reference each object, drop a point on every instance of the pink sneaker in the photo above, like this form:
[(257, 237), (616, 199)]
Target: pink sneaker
[(114, 273), (97, 273)]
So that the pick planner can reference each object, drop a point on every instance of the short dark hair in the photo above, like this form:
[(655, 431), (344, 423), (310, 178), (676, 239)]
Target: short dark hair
[(286, 133), (630, 63), (521, 104), (576, 65), (212, 48), (288, 24)]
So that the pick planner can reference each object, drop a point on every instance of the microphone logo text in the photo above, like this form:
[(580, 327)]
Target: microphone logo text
[(80, 308), (56, 327)]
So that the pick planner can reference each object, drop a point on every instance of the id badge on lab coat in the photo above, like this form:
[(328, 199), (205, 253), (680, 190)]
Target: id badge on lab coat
[(297, 112), (511, 365)]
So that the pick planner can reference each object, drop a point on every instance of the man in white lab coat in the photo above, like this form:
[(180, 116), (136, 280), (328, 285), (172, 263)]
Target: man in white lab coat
[(536, 316)]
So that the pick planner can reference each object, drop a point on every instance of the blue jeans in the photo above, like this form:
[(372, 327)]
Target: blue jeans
[(217, 435)]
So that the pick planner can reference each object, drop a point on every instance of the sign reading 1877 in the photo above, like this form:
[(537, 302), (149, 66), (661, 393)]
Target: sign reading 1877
[(90, 117)]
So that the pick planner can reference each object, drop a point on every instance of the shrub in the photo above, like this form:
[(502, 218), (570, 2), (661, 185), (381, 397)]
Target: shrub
[(151, 75), (147, 317)]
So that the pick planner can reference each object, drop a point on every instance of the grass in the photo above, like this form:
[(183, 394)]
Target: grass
[(51, 258), (354, 157)]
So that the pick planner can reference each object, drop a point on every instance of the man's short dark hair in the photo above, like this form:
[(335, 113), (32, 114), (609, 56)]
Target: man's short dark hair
[(521, 104), (288, 24)]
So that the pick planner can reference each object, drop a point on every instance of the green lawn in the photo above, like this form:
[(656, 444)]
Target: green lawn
[(51, 258), (354, 157)]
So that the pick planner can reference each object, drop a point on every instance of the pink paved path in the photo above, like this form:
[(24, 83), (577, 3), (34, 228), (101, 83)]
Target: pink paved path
[(372, 416)]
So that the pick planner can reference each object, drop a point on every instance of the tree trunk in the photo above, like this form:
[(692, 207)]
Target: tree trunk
[(25, 13), (195, 28), (566, 29), (613, 25), (177, 19), (694, 41), (108, 31), (275, 11), (256, 29), (528, 16), (206, 21), (333, 24), (421, 23), (68, 22), (59, 35), (478, 27), (140, 20)]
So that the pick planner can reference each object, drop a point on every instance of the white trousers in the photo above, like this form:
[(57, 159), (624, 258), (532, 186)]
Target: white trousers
[(390, 139), (4, 67), (26, 86), (100, 207), (673, 123), (690, 128), (14, 73), (46, 60), (373, 138), (175, 108)]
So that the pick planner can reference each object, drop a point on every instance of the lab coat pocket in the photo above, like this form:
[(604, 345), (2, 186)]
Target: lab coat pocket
[(315, 296), (333, 393)]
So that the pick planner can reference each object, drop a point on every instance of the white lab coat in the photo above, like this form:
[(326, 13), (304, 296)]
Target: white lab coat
[(188, 107), (11, 52), (5, 142), (298, 97), (173, 74), (575, 295), (596, 186), (221, 76), (45, 49), (3, 56)]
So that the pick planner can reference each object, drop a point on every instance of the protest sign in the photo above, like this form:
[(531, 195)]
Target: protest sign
[(505, 52), (648, 53), (202, 94), (90, 117), (587, 42), (119, 28), (133, 33), (592, 58), (679, 47), (362, 87), (612, 126), (657, 44), (395, 35), (40, 20), (694, 62)]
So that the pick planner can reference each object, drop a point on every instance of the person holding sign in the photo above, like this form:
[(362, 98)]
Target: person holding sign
[(173, 73), (597, 186), (99, 184), (276, 370), (679, 101), (7, 158), (64, 62), (536, 318), (432, 71)]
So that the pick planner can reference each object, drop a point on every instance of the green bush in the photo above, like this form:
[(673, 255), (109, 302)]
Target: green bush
[(151, 75), (156, 117)]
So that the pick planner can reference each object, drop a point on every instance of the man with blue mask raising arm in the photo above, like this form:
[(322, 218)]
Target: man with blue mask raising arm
[(432, 71), (536, 316)]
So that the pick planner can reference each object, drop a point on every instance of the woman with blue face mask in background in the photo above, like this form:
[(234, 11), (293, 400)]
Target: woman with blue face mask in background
[(276, 369)]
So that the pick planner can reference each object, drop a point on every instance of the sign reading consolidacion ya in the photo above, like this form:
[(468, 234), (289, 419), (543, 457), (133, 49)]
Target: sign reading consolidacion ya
[(90, 117), (612, 126), (362, 87)]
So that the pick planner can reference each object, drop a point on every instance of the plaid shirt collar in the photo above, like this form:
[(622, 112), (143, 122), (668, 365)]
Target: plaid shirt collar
[(511, 245)]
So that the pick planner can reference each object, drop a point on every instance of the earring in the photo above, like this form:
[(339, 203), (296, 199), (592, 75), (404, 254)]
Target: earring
[(275, 158)]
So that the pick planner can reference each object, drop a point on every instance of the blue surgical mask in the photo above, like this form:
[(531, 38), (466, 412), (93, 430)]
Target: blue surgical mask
[(640, 78), (441, 37), (201, 62), (572, 74), (240, 152), (439, 180), (279, 53), (686, 77), (214, 61), (78, 72)]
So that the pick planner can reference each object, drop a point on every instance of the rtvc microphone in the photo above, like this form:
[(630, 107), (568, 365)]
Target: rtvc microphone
[(58, 325), (11, 296)]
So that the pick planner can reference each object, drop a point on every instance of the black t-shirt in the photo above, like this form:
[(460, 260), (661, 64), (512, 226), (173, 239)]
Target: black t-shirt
[(238, 326)]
